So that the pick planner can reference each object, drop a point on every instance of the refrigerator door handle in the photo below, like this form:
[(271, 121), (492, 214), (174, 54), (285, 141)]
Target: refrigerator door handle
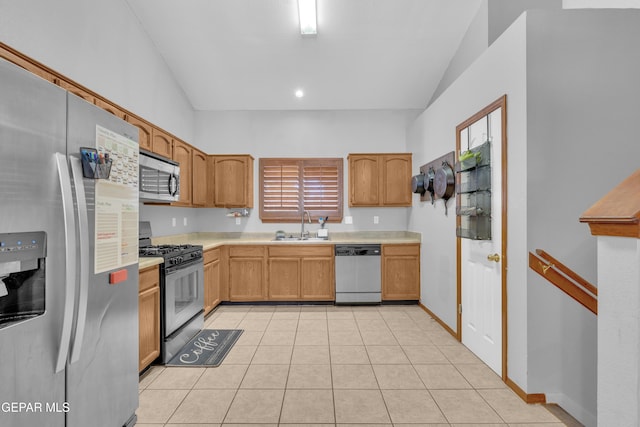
[(83, 228), (70, 260)]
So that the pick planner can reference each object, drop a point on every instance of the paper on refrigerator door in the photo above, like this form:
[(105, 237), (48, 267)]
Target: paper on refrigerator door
[(116, 206)]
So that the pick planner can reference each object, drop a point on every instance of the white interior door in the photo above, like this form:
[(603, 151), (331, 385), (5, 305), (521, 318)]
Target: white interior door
[(481, 270)]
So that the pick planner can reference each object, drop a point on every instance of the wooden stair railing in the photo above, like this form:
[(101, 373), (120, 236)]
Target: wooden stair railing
[(565, 279)]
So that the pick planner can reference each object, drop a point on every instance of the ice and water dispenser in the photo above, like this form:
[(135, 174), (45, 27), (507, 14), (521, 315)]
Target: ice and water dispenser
[(22, 276)]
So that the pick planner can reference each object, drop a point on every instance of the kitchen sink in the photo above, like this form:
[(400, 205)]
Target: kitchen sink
[(299, 239)]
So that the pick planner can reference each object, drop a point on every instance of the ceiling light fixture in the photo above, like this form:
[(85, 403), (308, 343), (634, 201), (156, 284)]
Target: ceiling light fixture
[(299, 93), (307, 14)]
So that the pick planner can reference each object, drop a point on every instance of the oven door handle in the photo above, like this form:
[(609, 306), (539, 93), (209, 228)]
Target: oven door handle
[(179, 268)]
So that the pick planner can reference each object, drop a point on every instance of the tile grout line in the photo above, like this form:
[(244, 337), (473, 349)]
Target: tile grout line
[(226, 414)]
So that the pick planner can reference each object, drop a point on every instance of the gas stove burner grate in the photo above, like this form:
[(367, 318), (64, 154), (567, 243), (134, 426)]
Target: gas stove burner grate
[(164, 250)]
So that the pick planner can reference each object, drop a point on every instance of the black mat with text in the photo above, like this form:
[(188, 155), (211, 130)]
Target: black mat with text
[(208, 348)]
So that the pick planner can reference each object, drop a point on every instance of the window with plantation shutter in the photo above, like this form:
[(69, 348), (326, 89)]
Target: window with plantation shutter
[(288, 187)]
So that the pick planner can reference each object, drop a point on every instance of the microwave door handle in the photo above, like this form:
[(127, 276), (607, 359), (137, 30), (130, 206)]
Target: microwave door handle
[(70, 260), (83, 227)]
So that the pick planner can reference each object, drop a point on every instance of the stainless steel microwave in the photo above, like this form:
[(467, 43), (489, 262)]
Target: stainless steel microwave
[(159, 178)]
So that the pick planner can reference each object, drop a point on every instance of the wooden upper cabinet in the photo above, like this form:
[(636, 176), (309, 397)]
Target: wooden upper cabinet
[(364, 180), (182, 153), (161, 143), (233, 181), (199, 178), (211, 182), (27, 65), (380, 179), (70, 87), (109, 107), (396, 180), (144, 134)]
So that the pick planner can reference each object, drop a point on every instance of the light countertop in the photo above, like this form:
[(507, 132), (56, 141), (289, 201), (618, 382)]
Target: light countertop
[(213, 240)]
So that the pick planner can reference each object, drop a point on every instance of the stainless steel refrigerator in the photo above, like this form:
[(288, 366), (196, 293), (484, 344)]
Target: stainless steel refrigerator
[(68, 259)]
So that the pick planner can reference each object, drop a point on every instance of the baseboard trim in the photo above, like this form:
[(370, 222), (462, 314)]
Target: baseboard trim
[(437, 319), (529, 398)]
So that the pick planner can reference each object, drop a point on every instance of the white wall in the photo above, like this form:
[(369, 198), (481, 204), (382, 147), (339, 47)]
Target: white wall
[(474, 42), (500, 70), (303, 134), (619, 329), (583, 104), (572, 105), (600, 4), (101, 46)]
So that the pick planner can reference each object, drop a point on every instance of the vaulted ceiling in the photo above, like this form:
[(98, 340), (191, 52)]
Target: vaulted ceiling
[(249, 54)]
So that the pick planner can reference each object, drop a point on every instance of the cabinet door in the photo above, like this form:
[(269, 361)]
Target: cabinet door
[(144, 134), (401, 272), (364, 180), (199, 179), (211, 182), (246, 279), (182, 155), (70, 87), (110, 108), (161, 143), (284, 279), (149, 326), (211, 285), (233, 181), (396, 180), (27, 65), (317, 283)]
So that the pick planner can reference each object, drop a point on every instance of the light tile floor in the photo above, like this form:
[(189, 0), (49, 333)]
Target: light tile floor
[(329, 366)]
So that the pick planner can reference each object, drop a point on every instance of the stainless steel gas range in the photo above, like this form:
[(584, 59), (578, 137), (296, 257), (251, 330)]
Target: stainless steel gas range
[(181, 291)]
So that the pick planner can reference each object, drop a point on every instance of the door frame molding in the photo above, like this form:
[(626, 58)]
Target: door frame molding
[(498, 103)]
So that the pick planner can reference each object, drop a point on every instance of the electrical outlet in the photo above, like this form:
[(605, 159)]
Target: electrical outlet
[(173, 222), (376, 219), (238, 221), (184, 222), (348, 220)]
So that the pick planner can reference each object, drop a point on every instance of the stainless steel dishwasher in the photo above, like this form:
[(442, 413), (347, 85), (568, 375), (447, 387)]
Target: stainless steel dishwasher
[(358, 274)]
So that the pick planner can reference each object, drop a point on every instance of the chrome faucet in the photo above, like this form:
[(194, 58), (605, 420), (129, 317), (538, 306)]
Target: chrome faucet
[(303, 233)]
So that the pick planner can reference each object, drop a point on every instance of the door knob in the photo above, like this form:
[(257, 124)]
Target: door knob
[(494, 257)]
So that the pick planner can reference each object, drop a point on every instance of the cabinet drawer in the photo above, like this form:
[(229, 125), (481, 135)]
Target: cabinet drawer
[(246, 251), (148, 278), (211, 255), (405, 249), (300, 250)]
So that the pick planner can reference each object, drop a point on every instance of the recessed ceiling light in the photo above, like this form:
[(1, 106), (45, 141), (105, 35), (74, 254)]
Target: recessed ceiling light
[(299, 93)]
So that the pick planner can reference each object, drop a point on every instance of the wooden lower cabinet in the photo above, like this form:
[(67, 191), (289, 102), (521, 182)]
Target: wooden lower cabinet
[(149, 316), (401, 272), (318, 278), (284, 279), (301, 273), (247, 273), (212, 270)]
